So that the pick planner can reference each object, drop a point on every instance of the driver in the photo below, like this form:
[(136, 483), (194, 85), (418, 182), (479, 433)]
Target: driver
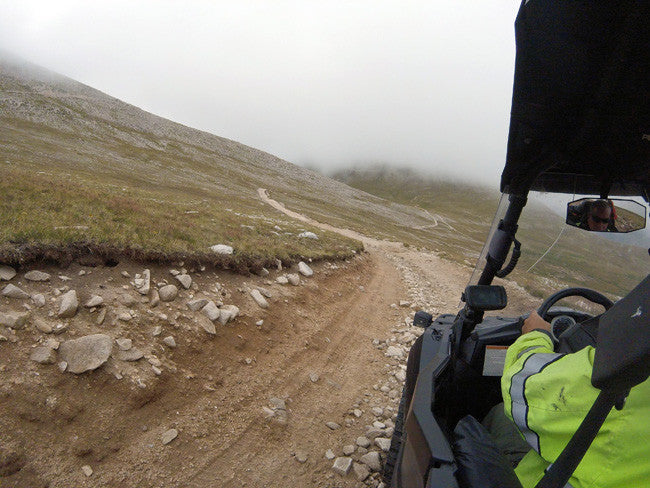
[(547, 395), (599, 216)]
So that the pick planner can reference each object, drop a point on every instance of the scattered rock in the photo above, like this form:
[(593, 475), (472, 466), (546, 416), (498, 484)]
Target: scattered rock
[(69, 305), (127, 300), (132, 354), (60, 328), (168, 293), (308, 235), (294, 279), (372, 460), (6, 273), (185, 280), (304, 269), (125, 274), (382, 443), (394, 352), (169, 340), (124, 317), (377, 411), (198, 304), (301, 457), (95, 301), (12, 291), (39, 300), (404, 303), (211, 311), (357, 413), (266, 293), (363, 441), (123, 343), (282, 280), (155, 298), (329, 454), (43, 355), (42, 326), (332, 425), (221, 249), (207, 325), (37, 276), (14, 320), (87, 470), (259, 299), (101, 317), (142, 283), (342, 465), (169, 436), (228, 313), (361, 471), (86, 353), (62, 366), (349, 449), (313, 377), (157, 330)]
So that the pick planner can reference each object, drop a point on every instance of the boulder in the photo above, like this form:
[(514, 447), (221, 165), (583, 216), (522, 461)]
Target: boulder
[(37, 276), (342, 465), (69, 305), (168, 293), (304, 269), (228, 313), (294, 279), (86, 353), (211, 311), (12, 291)]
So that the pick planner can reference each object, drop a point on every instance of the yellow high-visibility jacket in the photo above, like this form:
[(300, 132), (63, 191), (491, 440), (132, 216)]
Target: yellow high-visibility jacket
[(548, 395)]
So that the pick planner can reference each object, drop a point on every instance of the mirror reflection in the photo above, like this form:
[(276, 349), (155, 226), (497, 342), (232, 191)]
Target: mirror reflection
[(606, 215)]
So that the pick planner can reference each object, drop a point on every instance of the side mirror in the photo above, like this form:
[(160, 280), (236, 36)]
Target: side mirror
[(606, 215)]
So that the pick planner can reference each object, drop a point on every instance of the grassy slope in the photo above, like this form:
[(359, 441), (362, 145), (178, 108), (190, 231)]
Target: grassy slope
[(578, 259)]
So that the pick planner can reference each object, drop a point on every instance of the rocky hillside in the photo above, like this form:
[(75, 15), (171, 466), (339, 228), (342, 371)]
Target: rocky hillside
[(61, 140)]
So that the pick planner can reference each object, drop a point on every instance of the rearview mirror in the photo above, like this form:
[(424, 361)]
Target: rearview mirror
[(606, 215)]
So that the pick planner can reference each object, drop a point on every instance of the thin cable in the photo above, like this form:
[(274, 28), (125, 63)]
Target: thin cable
[(548, 250)]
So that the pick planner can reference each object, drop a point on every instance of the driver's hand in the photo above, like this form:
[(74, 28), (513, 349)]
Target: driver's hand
[(534, 321)]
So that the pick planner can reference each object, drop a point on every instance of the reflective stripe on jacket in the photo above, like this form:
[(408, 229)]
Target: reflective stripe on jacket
[(547, 395)]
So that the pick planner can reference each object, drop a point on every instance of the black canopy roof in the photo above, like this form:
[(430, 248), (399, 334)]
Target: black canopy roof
[(580, 118)]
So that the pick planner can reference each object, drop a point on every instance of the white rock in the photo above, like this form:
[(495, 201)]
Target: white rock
[(221, 249), (169, 340), (95, 301), (125, 317), (363, 441), (169, 436), (304, 269), (294, 279), (266, 293), (157, 330), (62, 366), (143, 286), (400, 375), (185, 280), (329, 455), (259, 299), (43, 326), (211, 311), (155, 298), (12, 291), (168, 293), (313, 377), (228, 313), (349, 449), (394, 352), (6, 273), (377, 411), (282, 280), (86, 353), (308, 235), (332, 425), (37, 276), (301, 457), (87, 470), (69, 305), (133, 354), (342, 465)]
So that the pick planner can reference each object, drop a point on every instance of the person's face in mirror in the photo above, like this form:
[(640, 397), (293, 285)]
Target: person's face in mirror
[(598, 219)]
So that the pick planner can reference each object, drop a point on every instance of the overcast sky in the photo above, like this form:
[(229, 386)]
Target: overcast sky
[(327, 83)]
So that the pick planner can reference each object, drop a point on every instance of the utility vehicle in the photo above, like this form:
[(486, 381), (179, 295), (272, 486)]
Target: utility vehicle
[(580, 133)]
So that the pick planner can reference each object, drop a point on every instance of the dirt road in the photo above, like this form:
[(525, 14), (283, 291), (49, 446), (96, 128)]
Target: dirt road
[(319, 348)]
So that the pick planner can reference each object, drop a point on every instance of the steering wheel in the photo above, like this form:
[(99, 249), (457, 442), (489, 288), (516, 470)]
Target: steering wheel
[(591, 295)]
